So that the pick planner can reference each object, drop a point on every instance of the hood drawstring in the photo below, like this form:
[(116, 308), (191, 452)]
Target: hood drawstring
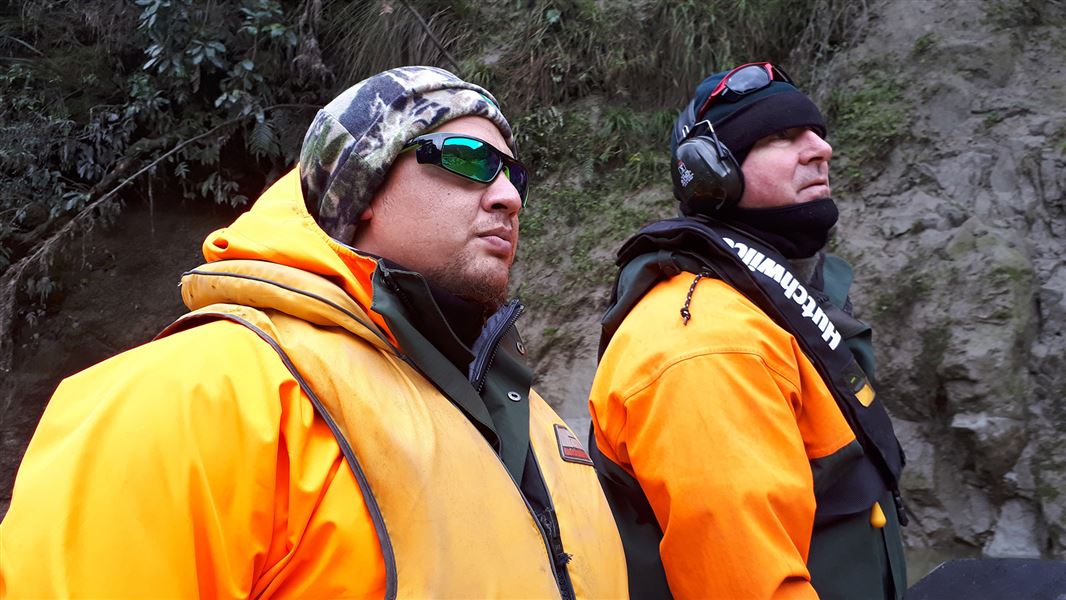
[(685, 314)]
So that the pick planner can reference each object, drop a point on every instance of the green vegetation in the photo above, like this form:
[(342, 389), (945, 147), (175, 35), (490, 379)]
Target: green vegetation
[(95, 95), (636, 53), (924, 44), (935, 341), (95, 92), (1048, 461), (1007, 14), (894, 303), (1058, 139), (555, 340), (39, 291), (869, 118), (591, 167), (992, 118), (190, 100)]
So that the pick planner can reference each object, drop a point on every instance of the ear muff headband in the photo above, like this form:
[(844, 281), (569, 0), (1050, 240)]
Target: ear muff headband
[(706, 176)]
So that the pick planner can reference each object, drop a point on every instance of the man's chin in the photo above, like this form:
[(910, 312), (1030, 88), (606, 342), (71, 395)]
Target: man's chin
[(490, 297), (485, 287)]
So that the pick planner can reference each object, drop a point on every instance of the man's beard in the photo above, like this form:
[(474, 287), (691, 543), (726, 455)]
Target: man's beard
[(487, 289)]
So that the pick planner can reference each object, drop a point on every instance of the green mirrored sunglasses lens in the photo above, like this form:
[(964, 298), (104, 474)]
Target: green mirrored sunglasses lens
[(470, 158), (517, 175)]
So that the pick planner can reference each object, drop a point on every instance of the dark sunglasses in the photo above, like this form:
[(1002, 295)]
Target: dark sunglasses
[(744, 80), (469, 157)]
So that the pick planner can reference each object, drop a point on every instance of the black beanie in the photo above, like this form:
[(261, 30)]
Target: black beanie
[(764, 112), (749, 123)]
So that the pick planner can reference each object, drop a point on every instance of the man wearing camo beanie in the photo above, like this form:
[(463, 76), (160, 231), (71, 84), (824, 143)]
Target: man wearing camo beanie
[(346, 412)]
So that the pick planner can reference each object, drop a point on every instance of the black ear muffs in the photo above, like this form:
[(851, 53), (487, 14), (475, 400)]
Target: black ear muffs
[(706, 176)]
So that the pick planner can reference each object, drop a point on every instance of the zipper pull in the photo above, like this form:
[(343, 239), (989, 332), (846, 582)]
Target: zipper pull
[(901, 509), (548, 523)]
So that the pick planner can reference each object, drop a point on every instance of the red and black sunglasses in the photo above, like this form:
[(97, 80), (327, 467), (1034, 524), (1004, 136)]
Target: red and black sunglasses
[(741, 81)]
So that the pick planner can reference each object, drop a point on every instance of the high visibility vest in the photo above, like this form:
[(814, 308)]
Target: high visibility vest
[(450, 519)]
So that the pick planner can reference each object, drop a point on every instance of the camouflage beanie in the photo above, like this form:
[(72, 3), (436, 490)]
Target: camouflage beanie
[(353, 141)]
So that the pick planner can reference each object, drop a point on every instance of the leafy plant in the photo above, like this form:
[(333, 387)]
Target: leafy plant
[(223, 61), (75, 121)]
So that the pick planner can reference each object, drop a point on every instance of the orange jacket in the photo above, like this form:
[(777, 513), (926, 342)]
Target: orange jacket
[(196, 465), (719, 421)]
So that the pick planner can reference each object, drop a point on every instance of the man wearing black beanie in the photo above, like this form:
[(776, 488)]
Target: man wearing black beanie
[(735, 426)]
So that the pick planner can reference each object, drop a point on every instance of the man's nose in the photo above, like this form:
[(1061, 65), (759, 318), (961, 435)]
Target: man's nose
[(816, 148), (502, 195)]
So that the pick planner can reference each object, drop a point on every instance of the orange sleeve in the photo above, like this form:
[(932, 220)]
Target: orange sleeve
[(715, 445), (191, 466)]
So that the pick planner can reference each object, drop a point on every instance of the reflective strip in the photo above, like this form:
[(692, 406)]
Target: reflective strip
[(866, 395)]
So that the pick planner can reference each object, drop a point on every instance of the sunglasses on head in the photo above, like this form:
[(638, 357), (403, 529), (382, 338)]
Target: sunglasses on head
[(742, 81), (469, 157)]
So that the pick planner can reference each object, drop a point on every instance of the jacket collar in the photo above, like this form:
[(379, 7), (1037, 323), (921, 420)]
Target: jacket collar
[(279, 230)]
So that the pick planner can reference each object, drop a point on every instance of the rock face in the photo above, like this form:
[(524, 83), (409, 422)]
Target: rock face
[(959, 245)]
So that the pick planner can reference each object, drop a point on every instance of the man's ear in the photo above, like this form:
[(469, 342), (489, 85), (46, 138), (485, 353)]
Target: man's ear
[(368, 213)]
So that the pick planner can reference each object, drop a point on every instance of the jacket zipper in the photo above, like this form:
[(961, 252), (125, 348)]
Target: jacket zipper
[(549, 522), (485, 357), (549, 534), (559, 558), (546, 522)]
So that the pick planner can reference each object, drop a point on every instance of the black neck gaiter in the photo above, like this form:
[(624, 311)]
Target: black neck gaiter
[(796, 230)]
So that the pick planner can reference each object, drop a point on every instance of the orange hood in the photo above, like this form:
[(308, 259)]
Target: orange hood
[(279, 230)]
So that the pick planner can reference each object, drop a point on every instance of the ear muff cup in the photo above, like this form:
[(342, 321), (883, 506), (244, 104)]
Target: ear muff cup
[(706, 176)]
